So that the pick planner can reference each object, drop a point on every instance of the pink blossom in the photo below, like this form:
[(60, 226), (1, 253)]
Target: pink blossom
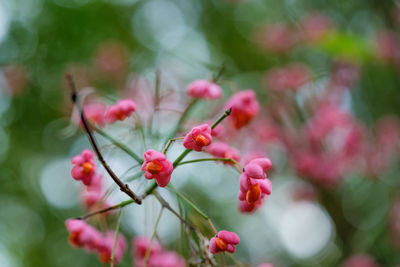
[(245, 207), (120, 111), (198, 137), (223, 150), (266, 265), (82, 235), (156, 166), (290, 77), (204, 89), (84, 167), (224, 241), (244, 107), (360, 260), (106, 246), (387, 46), (256, 168)]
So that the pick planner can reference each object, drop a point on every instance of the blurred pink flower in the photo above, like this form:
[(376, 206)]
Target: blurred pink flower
[(266, 265), (223, 150), (290, 77), (106, 246), (198, 137), (252, 190), (387, 46), (244, 107), (112, 58), (167, 259), (93, 193), (224, 241), (94, 113), (204, 89), (120, 111), (156, 166), (360, 260), (83, 235), (84, 167)]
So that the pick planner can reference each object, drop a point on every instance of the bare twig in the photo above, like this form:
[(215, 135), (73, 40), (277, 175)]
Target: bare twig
[(123, 187)]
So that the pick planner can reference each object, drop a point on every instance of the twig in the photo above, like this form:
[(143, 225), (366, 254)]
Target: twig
[(123, 187), (120, 205), (116, 239), (166, 205), (191, 204), (118, 144), (170, 141), (148, 250), (237, 165)]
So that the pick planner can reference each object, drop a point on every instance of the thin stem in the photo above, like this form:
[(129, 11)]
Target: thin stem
[(148, 250), (166, 205), (116, 238), (120, 145), (226, 114), (183, 118), (170, 141), (212, 225), (120, 205), (189, 202), (149, 190), (218, 75), (123, 187), (237, 164), (180, 158)]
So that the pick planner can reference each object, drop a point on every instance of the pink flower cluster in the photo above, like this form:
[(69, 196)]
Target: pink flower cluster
[(156, 166), (157, 256), (224, 241), (204, 89), (99, 114), (85, 170), (254, 185), (82, 235)]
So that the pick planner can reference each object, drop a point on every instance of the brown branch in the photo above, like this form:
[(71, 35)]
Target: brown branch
[(123, 187)]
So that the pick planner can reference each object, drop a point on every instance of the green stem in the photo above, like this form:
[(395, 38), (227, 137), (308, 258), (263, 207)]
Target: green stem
[(120, 145), (189, 202), (148, 250), (208, 159), (149, 190), (183, 118), (120, 205), (170, 141), (116, 238), (180, 158), (226, 114)]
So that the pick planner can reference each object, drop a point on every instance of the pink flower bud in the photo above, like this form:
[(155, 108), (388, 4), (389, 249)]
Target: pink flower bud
[(223, 150), (204, 89), (120, 111), (198, 137), (84, 167), (224, 241), (156, 166), (244, 107)]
